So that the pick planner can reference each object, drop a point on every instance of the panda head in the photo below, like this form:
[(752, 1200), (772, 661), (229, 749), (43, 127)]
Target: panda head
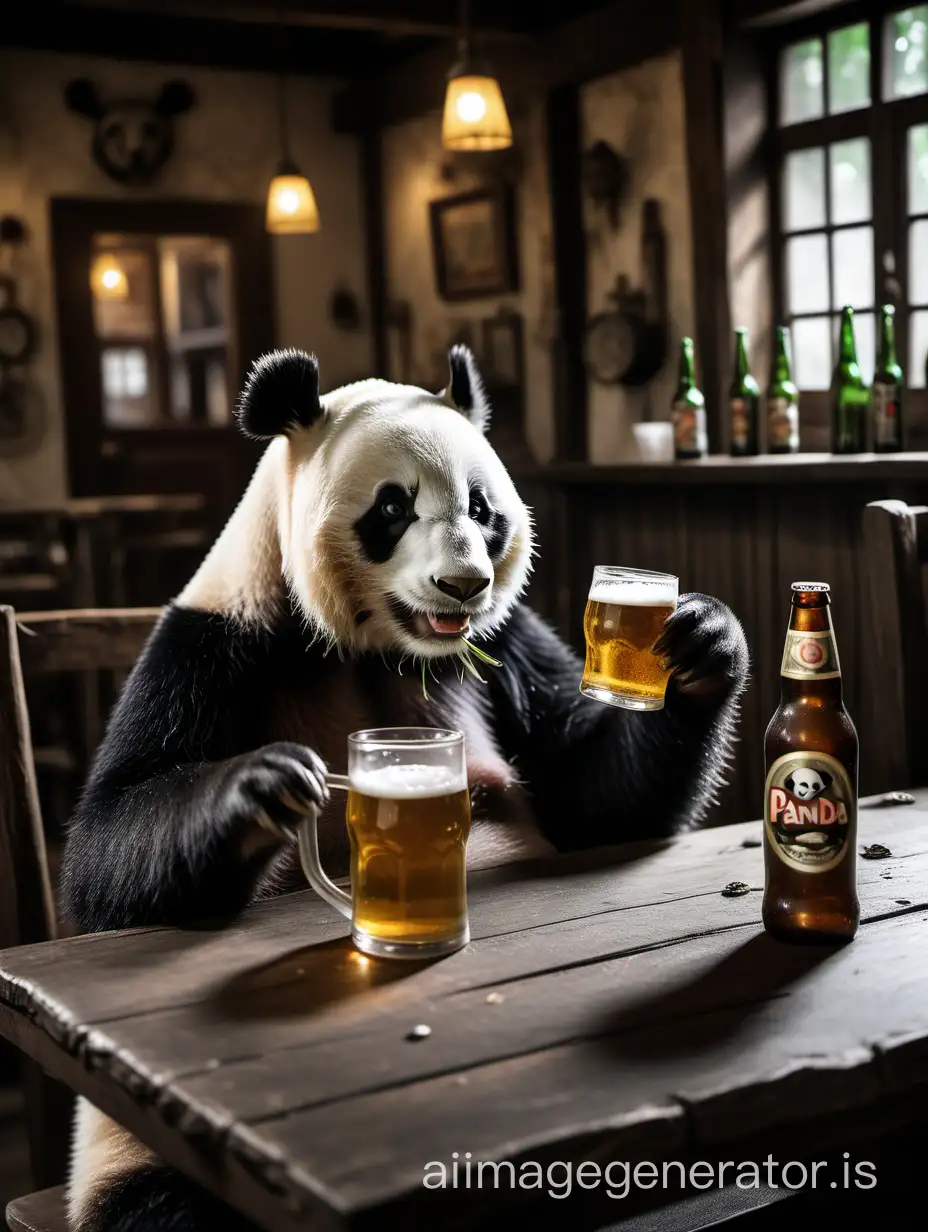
[(806, 784), (400, 528)]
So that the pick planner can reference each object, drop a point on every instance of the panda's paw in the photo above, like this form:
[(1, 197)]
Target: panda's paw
[(704, 644), (277, 787)]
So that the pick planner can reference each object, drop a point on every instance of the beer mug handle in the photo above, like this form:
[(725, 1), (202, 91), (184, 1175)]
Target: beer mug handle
[(309, 855)]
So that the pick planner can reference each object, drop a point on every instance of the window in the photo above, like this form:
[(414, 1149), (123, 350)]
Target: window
[(161, 308), (851, 185)]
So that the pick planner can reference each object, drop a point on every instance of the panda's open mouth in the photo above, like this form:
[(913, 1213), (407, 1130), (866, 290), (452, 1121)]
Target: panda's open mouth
[(431, 624)]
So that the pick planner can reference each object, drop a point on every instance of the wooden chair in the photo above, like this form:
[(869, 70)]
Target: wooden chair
[(896, 556), (33, 644)]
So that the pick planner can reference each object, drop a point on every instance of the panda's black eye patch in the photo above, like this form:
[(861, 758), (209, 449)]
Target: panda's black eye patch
[(381, 528), (479, 509)]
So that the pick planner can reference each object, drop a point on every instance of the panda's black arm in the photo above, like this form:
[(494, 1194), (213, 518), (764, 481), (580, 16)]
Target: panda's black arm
[(598, 774), (162, 833)]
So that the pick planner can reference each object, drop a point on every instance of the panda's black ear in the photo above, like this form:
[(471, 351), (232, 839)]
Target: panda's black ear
[(175, 98), (465, 387), (826, 778), (81, 95), (281, 395), (789, 783)]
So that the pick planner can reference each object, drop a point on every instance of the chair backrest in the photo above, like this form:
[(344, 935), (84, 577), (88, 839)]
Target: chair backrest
[(35, 643), (896, 556)]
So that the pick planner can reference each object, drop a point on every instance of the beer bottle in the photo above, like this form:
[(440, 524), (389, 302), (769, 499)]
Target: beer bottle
[(810, 796), (689, 409), (743, 401), (782, 400), (849, 397), (888, 385)]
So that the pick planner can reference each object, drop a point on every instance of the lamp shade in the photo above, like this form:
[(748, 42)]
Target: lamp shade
[(475, 116), (291, 203), (108, 278)]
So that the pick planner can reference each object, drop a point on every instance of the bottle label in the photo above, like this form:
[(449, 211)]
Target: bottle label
[(885, 413), (809, 656), (810, 811), (782, 422), (689, 428), (740, 423)]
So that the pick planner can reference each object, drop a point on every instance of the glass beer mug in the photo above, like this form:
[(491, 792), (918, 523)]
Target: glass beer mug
[(408, 819), (625, 616)]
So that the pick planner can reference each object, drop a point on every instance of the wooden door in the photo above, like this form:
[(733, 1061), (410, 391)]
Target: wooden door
[(162, 305)]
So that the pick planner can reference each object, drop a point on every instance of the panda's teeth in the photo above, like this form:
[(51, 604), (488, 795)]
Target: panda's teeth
[(448, 626)]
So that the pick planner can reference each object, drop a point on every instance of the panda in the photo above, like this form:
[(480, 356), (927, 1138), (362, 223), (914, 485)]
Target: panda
[(808, 784), (379, 539)]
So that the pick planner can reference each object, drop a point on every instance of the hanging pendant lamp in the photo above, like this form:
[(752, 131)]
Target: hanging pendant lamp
[(475, 116), (291, 202)]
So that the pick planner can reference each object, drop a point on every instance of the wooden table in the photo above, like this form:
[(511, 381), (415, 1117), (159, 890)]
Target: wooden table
[(611, 1006)]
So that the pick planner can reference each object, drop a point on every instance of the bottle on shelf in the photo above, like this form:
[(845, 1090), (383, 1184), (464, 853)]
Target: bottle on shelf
[(782, 399), (886, 397), (689, 409), (743, 402), (850, 398)]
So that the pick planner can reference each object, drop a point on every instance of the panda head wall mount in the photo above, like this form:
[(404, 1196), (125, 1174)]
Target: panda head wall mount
[(133, 138)]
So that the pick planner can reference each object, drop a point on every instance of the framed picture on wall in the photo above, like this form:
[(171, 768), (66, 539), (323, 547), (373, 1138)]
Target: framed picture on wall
[(502, 354), (474, 243)]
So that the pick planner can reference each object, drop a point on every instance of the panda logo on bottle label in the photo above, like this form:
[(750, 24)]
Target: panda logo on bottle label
[(807, 655), (810, 811)]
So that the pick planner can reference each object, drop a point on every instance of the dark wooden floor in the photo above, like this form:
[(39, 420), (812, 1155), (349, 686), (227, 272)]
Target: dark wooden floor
[(14, 1149)]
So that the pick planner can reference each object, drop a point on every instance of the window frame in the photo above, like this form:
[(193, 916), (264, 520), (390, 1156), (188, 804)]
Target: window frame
[(885, 122)]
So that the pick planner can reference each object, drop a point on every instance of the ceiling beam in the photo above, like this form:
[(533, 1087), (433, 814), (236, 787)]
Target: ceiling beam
[(412, 18), (606, 40), (760, 13)]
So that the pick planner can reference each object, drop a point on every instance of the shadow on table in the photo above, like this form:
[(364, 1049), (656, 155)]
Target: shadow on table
[(702, 1014), (308, 979)]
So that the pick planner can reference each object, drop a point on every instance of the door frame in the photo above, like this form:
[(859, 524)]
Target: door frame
[(74, 222)]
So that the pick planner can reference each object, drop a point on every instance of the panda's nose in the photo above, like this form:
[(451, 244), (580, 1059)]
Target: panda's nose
[(461, 588)]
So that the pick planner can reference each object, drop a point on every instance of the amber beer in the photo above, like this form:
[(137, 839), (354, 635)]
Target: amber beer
[(408, 819), (810, 796), (625, 615), (408, 826)]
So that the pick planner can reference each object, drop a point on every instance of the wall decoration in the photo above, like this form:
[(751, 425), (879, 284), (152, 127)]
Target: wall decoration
[(627, 343), (474, 244), (22, 413), (606, 178), (502, 357), (133, 138)]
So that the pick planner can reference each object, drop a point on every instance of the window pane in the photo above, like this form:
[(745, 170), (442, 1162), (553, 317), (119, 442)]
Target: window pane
[(852, 267), (812, 352), (918, 169), (123, 290), (918, 262), (865, 336), (128, 400), (908, 67), (918, 350), (801, 78), (807, 273), (804, 190), (850, 181), (849, 68)]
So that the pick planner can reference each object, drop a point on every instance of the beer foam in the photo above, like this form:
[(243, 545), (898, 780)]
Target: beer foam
[(633, 594), (408, 782)]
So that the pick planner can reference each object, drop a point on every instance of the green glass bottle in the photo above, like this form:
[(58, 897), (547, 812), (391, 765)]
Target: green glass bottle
[(743, 402), (689, 409), (887, 394), (850, 398), (782, 399)]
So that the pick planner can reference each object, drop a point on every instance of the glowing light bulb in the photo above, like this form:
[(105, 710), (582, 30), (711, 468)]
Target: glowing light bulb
[(108, 278), (288, 202), (471, 107)]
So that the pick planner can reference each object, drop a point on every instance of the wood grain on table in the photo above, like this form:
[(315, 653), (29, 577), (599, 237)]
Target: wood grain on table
[(611, 1005)]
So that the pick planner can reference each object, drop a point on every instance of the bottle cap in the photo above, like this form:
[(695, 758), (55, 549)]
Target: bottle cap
[(815, 586)]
